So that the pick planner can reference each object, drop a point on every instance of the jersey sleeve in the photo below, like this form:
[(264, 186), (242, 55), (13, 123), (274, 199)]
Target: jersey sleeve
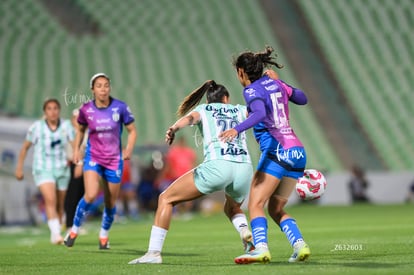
[(82, 117), (295, 95), (70, 135), (31, 134), (127, 115)]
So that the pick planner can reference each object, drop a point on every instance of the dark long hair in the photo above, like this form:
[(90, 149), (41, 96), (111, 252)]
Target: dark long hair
[(215, 93), (253, 64)]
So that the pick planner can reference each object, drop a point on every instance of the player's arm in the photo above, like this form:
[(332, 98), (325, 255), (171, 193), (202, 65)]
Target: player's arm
[(256, 115), (132, 137), (22, 156), (190, 119), (80, 133)]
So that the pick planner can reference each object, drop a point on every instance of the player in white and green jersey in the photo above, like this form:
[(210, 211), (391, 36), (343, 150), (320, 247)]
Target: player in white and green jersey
[(216, 118), (50, 138), (226, 166)]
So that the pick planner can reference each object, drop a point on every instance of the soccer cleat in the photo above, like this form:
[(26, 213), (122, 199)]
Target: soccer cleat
[(70, 238), (301, 252), (259, 255), (148, 258), (104, 243), (247, 239)]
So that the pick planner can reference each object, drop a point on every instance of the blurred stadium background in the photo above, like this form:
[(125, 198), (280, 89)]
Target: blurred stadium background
[(353, 58)]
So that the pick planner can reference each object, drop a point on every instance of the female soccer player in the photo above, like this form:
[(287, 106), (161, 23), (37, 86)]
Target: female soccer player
[(51, 172), (104, 117), (283, 157), (226, 166)]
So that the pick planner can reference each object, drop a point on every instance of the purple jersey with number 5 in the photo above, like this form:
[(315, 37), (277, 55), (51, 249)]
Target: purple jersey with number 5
[(275, 94), (105, 130)]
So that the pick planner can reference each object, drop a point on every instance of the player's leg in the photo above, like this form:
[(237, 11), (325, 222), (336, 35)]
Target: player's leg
[(287, 224), (62, 177), (111, 183), (235, 194), (183, 189), (48, 191), (262, 185), (91, 182)]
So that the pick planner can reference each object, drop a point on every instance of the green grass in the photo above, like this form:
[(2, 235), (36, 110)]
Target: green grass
[(382, 235)]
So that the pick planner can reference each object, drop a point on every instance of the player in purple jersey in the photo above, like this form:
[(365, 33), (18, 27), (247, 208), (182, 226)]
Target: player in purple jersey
[(104, 117), (283, 157)]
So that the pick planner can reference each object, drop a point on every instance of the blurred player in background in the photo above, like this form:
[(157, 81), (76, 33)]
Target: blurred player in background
[(76, 187), (51, 172), (283, 157), (127, 203), (226, 166), (104, 117), (179, 159), (358, 185)]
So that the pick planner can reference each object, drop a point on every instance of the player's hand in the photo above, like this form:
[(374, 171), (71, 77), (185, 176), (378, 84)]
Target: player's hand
[(228, 135), (272, 74), (126, 154), (170, 135), (19, 174), (77, 160)]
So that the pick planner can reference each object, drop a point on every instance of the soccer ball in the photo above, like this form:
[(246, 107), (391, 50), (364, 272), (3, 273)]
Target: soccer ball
[(311, 185)]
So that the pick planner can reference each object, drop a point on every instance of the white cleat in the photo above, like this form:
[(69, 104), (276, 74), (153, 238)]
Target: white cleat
[(301, 252), (148, 258)]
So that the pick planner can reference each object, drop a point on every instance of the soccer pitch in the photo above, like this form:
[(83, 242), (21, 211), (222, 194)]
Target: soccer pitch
[(360, 239)]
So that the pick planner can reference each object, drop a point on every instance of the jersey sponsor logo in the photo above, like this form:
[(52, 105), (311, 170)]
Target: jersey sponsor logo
[(55, 142), (103, 120), (223, 111), (289, 154), (251, 92), (90, 118), (271, 87), (103, 128), (90, 110), (267, 81), (231, 150)]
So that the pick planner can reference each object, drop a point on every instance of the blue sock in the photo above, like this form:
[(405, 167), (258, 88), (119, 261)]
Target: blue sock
[(108, 217), (259, 230), (291, 230), (81, 211)]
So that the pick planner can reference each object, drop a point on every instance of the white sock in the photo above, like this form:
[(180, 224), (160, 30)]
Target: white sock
[(157, 238), (103, 233), (75, 229), (239, 221), (54, 227)]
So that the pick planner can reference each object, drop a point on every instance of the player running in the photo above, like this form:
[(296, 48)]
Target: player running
[(50, 137), (104, 117)]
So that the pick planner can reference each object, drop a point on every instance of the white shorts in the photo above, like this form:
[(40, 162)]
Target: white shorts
[(232, 177), (59, 176)]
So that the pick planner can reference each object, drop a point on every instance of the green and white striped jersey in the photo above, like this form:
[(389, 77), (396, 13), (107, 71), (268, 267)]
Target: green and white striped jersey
[(50, 146), (216, 118)]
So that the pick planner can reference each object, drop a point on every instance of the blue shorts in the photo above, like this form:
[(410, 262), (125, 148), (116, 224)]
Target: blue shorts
[(60, 177), (232, 177), (283, 163), (112, 176)]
